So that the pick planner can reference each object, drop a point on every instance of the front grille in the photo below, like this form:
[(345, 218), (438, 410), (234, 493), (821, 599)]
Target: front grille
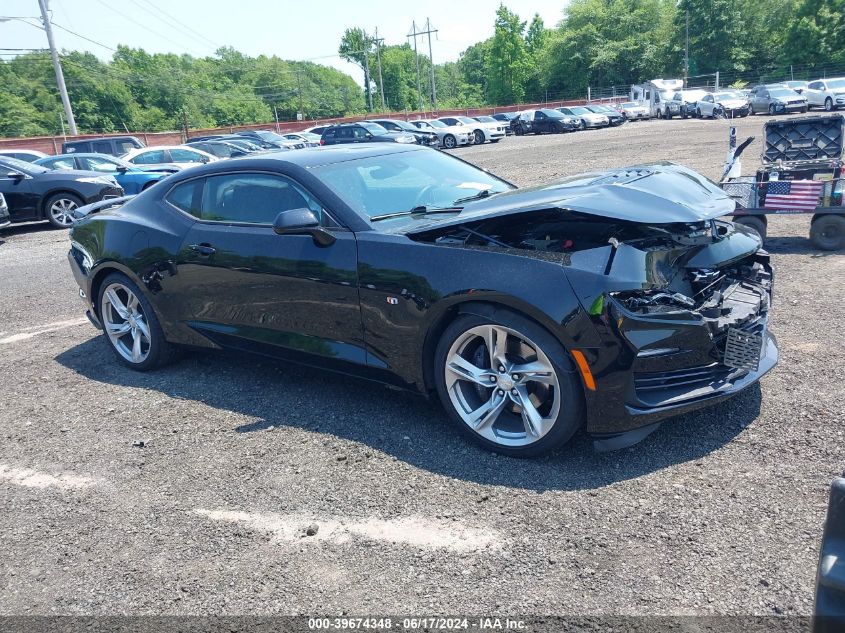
[(687, 379)]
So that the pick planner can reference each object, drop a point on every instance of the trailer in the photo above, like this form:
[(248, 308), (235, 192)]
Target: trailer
[(654, 94), (801, 174)]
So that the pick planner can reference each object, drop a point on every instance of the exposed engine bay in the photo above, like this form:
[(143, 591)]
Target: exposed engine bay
[(706, 270)]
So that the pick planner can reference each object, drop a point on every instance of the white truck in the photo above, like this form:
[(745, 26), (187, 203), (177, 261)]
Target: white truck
[(655, 93)]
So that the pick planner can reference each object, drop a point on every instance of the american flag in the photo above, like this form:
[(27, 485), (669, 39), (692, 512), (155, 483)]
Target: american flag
[(793, 194)]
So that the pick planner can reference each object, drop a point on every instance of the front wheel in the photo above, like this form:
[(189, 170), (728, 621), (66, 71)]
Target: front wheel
[(754, 223), (130, 325), (449, 141), (60, 208), (478, 135), (508, 384), (828, 104), (772, 110), (582, 125)]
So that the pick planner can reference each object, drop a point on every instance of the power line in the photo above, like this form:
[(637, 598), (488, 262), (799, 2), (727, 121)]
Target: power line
[(88, 39), (171, 22), (177, 21)]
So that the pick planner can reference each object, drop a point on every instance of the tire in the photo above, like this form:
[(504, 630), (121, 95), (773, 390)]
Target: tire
[(660, 114), (153, 350), (495, 140), (478, 137), (827, 232), (772, 109), (582, 125), (754, 223), (698, 113), (59, 207), (803, 110), (828, 105), (556, 397), (449, 141)]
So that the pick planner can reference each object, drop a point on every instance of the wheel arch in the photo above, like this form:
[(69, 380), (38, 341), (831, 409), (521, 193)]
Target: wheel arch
[(486, 308), (43, 207), (99, 275)]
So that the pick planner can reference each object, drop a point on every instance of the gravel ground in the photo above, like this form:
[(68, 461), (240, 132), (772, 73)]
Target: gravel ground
[(262, 488)]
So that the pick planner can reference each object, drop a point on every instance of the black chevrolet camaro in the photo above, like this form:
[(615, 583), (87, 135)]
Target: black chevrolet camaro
[(611, 300)]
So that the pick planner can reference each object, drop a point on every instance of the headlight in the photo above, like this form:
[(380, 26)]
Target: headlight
[(99, 180)]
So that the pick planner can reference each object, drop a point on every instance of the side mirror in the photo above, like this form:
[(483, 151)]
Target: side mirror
[(204, 159), (302, 222), (15, 175), (369, 135), (237, 153), (121, 169)]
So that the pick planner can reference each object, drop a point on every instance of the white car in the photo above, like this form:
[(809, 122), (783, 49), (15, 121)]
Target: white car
[(179, 155), (450, 136), (585, 117), (497, 129), (634, 110), (826, 93), (26, 155), (480, 133), (728, 104)]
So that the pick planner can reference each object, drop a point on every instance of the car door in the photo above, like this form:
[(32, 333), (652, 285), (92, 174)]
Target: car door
[(707, 105), (813, 92), (541, 122), (20, 194), (246, 287)]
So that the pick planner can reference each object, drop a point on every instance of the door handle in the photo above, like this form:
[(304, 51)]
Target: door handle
[(203, 250)]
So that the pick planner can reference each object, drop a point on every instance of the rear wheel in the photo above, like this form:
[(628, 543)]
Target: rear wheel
[(130, 325), (508, 384), (449, 141), (827, 232), (758, 225), (60, 208)]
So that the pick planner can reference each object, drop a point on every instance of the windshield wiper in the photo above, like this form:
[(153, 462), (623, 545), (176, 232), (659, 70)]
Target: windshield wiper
[(420, 210), (484, 193)]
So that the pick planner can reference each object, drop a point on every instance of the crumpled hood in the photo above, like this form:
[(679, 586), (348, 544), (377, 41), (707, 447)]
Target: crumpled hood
[(654, 193), (733, 103)]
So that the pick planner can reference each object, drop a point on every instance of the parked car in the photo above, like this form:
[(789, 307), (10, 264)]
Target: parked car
[(722, 104), (180, 155), (26, 155), (585, 117), (4, 212), (132, 179), (33, 192), (480, 133), (270, 137), (613, 116), (633, 111), (248, 145), (424, 137), (218, 148), (776, 100), (317, 129), (363, 132), (451, 136), (308, 138), (113, 145), (494, 126), (543, 121), (826, 93), (506, 118), (683, 103), (350, 259)]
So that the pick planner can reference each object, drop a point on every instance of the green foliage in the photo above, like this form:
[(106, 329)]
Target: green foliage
[(508, 59), (816, 34)]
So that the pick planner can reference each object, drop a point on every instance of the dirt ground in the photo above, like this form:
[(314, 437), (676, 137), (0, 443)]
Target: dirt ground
[(718, 512)]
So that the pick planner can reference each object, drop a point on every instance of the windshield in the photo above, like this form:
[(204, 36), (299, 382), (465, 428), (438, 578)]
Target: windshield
[(552, 114), (693, 95), (396, 182), (836, 83), (782, 92), (630, 105), (270, 136), (436, 123), (579, 110), (466, 120), (726, 95), (486, 119), (22, 166), (404, 125), (373, 128)]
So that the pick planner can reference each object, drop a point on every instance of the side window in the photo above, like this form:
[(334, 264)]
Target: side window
[(61, 163), (98, 164), (185, 156), (150, 158), (102, 147), (251, 198), (329, 134), (125, 146), (539, 115), (359, 132), (187, 196)]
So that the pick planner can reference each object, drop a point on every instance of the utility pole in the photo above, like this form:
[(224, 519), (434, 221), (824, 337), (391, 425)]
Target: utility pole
[(429, 31), (57, 66), (417, 59), (367, 75), (299, 91), (686, 53), (378, 40)]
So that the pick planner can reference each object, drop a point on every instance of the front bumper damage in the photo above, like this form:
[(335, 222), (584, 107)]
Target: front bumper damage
[(691, 331)]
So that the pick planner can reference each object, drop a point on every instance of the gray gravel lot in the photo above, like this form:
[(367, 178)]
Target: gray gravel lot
[(718, 512)]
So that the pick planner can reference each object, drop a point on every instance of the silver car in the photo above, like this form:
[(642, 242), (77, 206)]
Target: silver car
[(776, 100), (634, 111), (585, 117), (450, 136), (826, 93), (722, 104)]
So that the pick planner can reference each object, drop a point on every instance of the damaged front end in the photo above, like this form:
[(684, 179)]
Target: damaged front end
[(680, 309)]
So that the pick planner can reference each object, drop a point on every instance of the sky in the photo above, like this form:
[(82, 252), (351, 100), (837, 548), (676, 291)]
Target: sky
[(288, 29)]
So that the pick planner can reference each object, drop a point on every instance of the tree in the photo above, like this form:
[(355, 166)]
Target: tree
[(508, 59), (816, 34), (357, 47)]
